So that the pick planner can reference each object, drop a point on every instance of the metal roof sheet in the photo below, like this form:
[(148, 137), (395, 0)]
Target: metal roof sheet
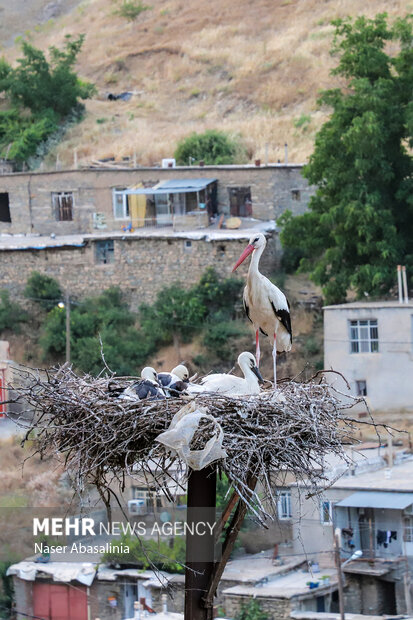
[(174, 186), (376, 499)]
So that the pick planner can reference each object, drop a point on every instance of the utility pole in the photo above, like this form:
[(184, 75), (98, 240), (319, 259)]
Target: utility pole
[(67, 306), (337, 545), (200, 542)]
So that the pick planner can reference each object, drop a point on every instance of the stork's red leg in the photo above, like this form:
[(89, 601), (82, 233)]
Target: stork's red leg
[(274, 357), (257, 347)]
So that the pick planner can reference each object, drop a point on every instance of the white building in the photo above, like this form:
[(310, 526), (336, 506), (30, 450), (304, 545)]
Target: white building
[(371, 344)]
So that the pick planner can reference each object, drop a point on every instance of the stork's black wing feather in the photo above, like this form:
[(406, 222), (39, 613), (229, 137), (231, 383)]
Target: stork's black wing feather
[(246, 308), (164, 378), (284, 317)]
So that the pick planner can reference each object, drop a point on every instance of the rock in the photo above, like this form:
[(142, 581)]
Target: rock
[(52, 10)]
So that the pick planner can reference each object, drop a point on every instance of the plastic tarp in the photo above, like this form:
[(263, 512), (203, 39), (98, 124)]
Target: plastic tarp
[(174, 186), (377, 499), (64, 572), (181, 431)]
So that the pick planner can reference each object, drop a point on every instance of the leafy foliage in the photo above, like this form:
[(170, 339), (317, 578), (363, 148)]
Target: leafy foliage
[(221, 336), (11, 314), (43, 289), (212, 147), (6, 590), (108, 316), (131, 9), (40, 94), (359, 226), (165, 557), (251, 611)]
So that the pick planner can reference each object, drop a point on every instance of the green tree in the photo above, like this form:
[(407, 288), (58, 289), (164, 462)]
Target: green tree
[(40, 94), (251, 611), (6, 590), (164, 556), (360, 222), (43, 290), (11, 314), (212, 147)]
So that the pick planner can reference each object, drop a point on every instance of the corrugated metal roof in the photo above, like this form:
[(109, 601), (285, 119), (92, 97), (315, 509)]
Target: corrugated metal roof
[(375, 499), (174, 186)]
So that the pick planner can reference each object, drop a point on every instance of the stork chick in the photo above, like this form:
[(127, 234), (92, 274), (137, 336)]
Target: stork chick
[(146, 387), (176, 381), (230, 384)]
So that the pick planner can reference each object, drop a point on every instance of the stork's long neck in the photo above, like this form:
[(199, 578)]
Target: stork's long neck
[(255, 261)]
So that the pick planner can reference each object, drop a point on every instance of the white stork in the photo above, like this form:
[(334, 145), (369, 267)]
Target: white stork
[(230, 384), (146, 387), (265, 305), (175, 381)]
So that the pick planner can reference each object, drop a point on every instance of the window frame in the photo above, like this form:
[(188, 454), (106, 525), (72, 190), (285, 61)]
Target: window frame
[(98, 243), (57, 207), (120, 192), (357, 339), (359, 390), (323, 502), (5, 206), (287, 514)]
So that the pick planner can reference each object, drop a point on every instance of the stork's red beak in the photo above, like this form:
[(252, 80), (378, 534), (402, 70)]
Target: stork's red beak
[(248, 250)]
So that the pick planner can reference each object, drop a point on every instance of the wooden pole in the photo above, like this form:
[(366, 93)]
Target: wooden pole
[(67, 306), (200, 542), (337, 544)]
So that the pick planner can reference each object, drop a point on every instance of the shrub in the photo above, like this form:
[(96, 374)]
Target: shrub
[(161, 554), (212, 147), (131, 9), (44, 290), (11, 314), (251, 611), (220, 337)]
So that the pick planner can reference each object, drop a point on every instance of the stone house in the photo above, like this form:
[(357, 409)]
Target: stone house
[(373, 506), (371, 344)]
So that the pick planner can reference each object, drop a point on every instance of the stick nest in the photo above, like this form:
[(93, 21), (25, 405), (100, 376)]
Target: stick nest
[(102, 438)]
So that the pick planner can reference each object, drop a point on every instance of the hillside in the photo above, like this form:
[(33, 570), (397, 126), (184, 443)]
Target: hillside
[(253, 68)]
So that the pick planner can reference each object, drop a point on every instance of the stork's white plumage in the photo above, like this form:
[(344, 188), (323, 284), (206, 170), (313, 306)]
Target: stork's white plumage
[(265, 305), (175, 381), (230, 384), (146, 387)]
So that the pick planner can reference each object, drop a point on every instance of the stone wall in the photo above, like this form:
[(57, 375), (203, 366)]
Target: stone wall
[(141, 267), (275, 608), (274, 189)]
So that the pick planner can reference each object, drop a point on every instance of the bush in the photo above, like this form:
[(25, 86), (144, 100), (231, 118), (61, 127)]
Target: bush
[(131, 9), (220, 337), (218, 294), (11, 314), (44, 290), (212, 147), (251, 611), (161, 554)]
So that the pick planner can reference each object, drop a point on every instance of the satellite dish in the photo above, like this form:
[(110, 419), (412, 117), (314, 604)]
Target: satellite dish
[(165, 516)]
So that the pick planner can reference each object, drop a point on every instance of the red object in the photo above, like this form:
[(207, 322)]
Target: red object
[(2, 394), (59, 602), (248, 250)]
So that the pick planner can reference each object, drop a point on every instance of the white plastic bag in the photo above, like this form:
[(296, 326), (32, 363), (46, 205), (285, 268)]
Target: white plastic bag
[(181, 431)]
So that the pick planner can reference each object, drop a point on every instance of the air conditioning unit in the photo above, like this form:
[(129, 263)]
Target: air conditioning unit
[(169, 163), (137, 507)]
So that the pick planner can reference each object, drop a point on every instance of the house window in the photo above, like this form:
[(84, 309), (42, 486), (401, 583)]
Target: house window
[(62, 203), (361, 388), (364, 336), (240, 201), (188, 245), (408, 529), (120, 204), (4, 207), (284, 505), (296, 194), (326, 512), (104, 252)]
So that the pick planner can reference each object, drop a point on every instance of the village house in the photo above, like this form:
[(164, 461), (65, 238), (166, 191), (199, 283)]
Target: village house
[(371, 344), (372, 504), (142, 228)]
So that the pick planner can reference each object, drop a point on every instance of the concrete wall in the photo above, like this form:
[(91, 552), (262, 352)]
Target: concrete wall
[(31, 202), (388, 372), (141, 267)]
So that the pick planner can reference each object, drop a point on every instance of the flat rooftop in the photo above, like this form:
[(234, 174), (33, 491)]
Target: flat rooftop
[(360, 305), (212, 233), (398, 478)]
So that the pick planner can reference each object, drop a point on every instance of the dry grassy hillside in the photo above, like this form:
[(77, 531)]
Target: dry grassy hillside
[(250, 67)]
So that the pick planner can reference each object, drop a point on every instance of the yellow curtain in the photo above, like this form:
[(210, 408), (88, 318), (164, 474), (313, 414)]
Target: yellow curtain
[(137, 207)]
